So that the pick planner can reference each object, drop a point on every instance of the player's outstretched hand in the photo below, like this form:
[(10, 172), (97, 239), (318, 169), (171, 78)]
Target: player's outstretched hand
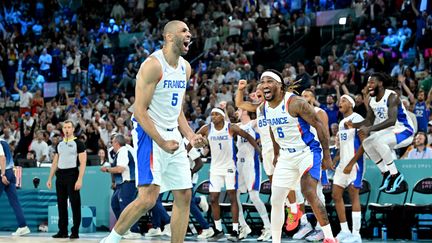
[(327, 162), (170, 146), (242, 84), (198, 141)]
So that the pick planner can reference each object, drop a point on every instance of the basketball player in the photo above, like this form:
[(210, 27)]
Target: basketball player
[(159, 123), (262, 126), (299, 153), (249, 173), (349, 172), (220, 134), (392, 128), (306, 231)]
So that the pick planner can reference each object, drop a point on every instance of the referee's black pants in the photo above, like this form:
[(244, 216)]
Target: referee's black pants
[(65, 187)]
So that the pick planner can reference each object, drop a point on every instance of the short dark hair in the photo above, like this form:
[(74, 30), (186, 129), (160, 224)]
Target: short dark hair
[(387, 80)]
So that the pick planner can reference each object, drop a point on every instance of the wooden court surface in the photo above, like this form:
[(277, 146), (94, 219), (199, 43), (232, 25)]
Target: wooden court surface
[(96, 237)]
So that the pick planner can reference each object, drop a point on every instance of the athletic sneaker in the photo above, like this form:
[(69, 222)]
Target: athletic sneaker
[(206, 233), (394, 183), (167, 230), (385, 180), (343, 235), (245, 230), (265, 235), (203, 204), (153, 232), (218, 235), (317, 235), (131, 235), (331, 240), (234, 236), (304, 231), (21, 231), (353, 239), (293, 219)]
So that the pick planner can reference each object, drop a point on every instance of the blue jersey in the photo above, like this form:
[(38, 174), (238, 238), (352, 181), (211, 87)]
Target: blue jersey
[(422, 113), (5, 151)]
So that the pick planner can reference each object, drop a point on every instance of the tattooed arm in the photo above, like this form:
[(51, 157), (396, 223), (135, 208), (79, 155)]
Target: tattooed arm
[(299, 107)]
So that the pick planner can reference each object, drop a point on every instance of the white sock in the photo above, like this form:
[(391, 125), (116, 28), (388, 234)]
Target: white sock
[(381, 166), (277, 211), (293, 208), (235, 227), (303, 219), (113, 237), (344, 227), (327, 231), (260, 207), (242, 220), (356, 222), (276, 236), (392, 168), (218, 224)]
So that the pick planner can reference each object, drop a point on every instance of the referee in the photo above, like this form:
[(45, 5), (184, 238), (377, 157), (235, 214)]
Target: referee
[(68, 164)]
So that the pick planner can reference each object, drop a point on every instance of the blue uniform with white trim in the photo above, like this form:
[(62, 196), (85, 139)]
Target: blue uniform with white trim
[(154, 165), (300, 151)]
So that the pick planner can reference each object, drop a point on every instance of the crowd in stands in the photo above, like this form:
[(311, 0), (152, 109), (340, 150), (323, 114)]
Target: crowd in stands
[(47, 41)]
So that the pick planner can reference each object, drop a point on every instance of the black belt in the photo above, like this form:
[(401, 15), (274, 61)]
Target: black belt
[(133, 181)]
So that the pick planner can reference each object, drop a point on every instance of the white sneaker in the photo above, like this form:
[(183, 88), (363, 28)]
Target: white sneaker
[(131, 235), (204, 204), (353, 239), (303, 231), (103, 240), (265, 235), (21, 231), (245, 230), (343, 235), (167, 230), (317, 235), (206, 233), (153, 232)]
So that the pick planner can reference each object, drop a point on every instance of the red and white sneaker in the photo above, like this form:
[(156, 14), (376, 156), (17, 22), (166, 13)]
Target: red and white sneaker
[(293, 219), (331, 240)]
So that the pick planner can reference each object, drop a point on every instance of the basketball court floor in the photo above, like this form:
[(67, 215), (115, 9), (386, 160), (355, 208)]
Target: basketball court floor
[(96, 237)]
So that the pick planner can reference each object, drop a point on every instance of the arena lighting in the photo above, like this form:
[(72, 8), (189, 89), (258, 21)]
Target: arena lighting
[(342, 21)]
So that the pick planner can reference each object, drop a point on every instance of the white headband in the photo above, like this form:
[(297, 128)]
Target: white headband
[(271, 75), (351, 100), (216, 110)]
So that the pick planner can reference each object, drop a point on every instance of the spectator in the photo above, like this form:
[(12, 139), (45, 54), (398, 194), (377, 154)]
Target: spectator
[(40, 147), (26, 138), (421, 150), (45, 61), (25, 98), (399, 69), (7, 135), (331, 109)]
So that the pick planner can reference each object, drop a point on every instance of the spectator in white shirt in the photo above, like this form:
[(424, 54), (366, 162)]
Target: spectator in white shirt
[(41, 148), (421, 150), (25, 98), (232, 76), (45, 61)]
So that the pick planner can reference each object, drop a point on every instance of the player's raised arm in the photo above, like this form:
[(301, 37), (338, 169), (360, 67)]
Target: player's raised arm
[(368, 121), (238, 131), (239, 102)]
